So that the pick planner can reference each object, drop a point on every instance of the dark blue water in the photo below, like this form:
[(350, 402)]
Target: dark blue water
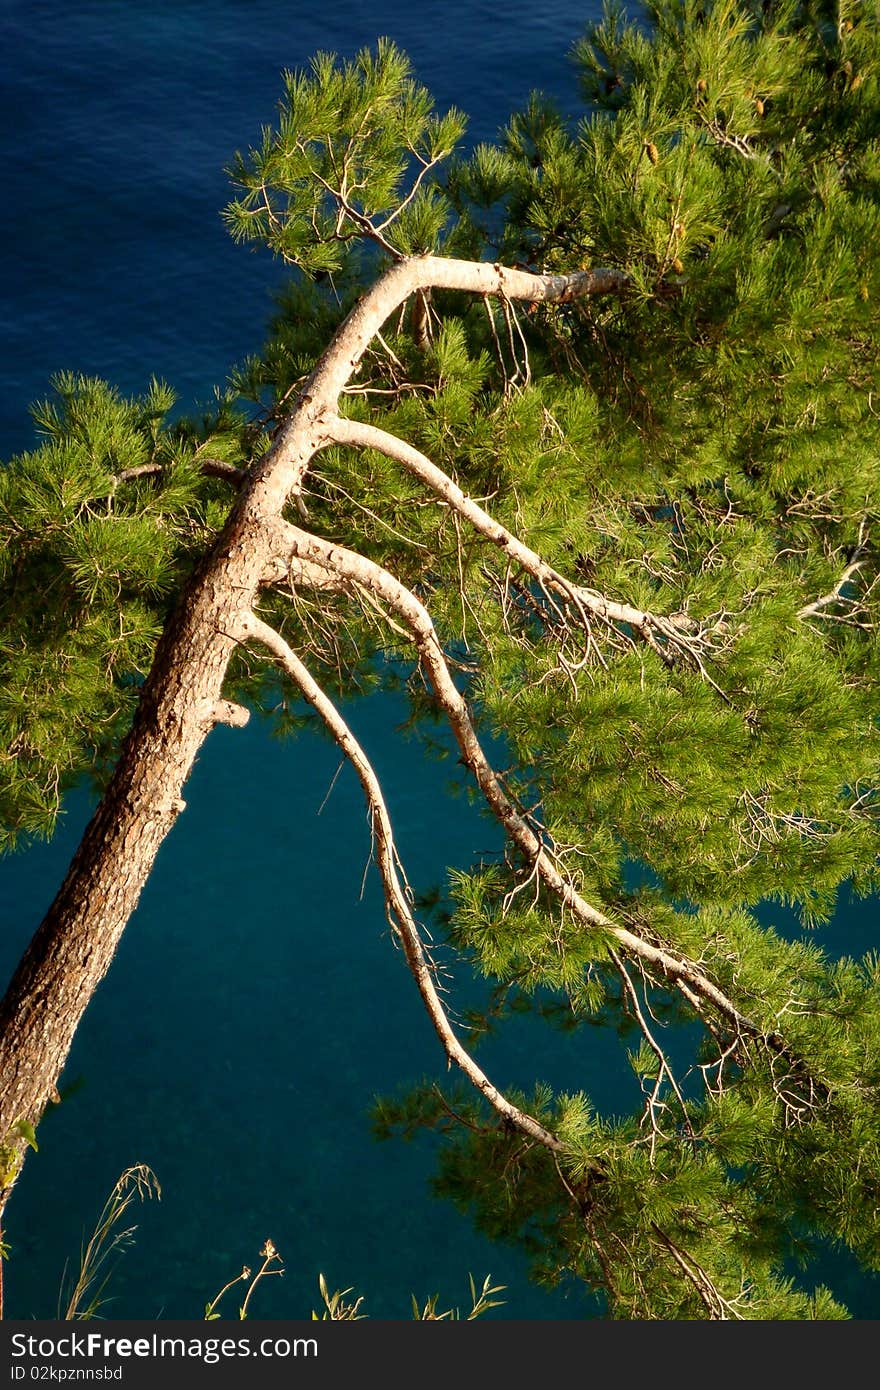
[(256, 1005), (118, 120)]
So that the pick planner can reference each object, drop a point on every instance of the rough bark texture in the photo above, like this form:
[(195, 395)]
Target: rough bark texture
[(75, 944), (73, 947)]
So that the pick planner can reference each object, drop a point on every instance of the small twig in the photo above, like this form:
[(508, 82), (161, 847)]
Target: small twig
[(268, 1254), (239, 1278), (834, 595), (718, 1307)]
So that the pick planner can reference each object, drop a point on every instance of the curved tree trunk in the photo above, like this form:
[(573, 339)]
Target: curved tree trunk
[(75, 944), (73, 947)]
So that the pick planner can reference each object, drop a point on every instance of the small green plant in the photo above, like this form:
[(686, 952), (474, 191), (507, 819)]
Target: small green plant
[(269, 1255), (11, 1151), (110, 1237), (339, 1306), (337, 1309), (480, 1303)]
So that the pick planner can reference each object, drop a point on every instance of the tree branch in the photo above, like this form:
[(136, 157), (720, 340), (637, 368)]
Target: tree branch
[(587, 602), (718, 1307), (212, 468), (834, 595), (367, 574), (399, 912), (653, 1102)]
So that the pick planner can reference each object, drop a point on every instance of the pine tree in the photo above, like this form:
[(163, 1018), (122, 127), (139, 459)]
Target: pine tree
[(575, 439)]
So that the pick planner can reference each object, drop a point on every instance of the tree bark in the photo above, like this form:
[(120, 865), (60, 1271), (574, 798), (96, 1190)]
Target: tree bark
[(73, 947)]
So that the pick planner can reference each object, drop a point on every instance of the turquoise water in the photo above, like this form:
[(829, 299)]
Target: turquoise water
[(256, 1005), (254, 1009)]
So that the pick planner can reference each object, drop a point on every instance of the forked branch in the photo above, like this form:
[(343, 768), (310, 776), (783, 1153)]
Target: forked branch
[(359, 571), (586, 602)]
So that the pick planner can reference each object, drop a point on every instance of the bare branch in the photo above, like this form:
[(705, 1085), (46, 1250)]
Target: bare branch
[(384, 586), (417, 183), (681, 634), (212, 468), (834, 595), (225, 712), (399, 910), (280, 472), (300, 574), (718, 1307), (723, 137), (358, 218), (664, 1070)]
